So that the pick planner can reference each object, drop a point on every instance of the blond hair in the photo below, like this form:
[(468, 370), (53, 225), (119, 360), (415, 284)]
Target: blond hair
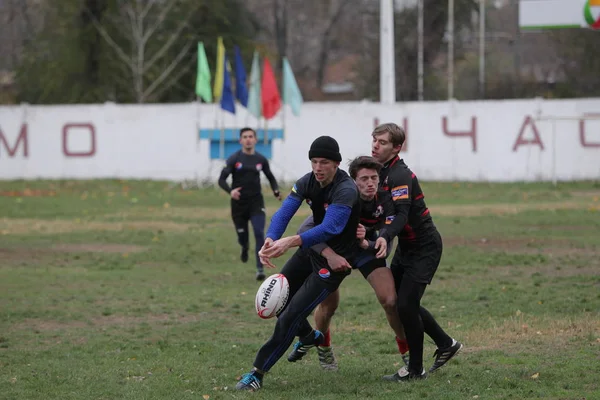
[(397, 134)]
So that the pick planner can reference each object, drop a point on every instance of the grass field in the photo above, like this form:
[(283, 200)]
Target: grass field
[(134, 290)]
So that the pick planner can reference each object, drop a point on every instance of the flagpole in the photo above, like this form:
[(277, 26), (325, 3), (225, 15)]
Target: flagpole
[(222, 139), (283, 121), (198, 116), (266, 132)]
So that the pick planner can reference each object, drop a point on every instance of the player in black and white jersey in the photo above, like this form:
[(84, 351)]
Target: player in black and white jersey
[(247, 203)]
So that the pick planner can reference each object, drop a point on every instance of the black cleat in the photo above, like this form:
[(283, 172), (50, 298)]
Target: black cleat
[(244, 255), (442, 356), (260, 276), (249, 382), (403, 375), (300, 349)]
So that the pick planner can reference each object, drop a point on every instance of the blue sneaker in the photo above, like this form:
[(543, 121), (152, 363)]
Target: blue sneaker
[(249, 382), (300, 349)]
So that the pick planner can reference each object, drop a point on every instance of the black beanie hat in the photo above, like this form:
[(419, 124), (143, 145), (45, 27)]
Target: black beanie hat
[(325, 147)]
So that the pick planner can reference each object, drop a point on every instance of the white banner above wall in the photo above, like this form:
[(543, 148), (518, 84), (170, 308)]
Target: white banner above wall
[(559, 14), (522, 140)]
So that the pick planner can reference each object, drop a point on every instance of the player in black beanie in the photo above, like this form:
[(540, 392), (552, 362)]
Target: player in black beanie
[(325, 147), (334, 202)]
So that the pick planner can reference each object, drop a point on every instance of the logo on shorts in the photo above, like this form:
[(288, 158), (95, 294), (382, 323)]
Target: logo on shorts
[(259, 167), (238, 165), (324, 273)]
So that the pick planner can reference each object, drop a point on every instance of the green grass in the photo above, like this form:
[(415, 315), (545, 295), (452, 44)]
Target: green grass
[(133, 289)]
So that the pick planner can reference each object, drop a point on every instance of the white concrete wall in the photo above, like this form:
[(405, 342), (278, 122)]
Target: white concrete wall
[(501, 140)]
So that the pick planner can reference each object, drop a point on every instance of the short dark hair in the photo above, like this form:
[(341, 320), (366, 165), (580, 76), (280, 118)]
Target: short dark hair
[(246, 129), (363, 162)]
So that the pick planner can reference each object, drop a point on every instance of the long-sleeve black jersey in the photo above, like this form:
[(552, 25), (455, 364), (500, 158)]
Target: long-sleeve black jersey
[(246, 169), (375, 214), (412, 220)]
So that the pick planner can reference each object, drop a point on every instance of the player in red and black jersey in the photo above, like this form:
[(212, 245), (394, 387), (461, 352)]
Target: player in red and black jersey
[(417, 255)]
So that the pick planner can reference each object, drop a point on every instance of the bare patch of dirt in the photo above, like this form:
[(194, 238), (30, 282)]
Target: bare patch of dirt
[(550, 247), (21, 254), (28, 193), (99, 248), (513, 332), (547, 271), (41, 325), (10, 226), (474, 210), (194, 213), (592, 194)]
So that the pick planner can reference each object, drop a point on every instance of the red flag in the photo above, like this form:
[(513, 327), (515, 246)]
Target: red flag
[(271, 101)]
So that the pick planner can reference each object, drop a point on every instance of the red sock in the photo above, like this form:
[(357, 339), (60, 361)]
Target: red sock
[(327, 339), (402, 345)]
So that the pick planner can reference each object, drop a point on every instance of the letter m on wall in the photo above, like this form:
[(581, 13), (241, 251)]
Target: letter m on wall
[(20, 141)]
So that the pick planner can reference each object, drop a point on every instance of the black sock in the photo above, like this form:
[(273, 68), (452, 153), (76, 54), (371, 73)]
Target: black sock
[(312, 338), (258, 374)]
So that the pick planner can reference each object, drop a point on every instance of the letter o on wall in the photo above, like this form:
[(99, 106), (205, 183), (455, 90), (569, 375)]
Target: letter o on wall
[(79, 129)]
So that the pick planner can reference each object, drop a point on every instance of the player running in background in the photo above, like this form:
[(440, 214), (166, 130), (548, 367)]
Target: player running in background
[(377, 210), (417, 255), (334, 201), (247, 203)]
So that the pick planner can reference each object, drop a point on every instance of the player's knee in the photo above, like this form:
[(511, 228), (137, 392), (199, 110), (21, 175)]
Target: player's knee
[(328, 311), (389, 303), (329, 307)]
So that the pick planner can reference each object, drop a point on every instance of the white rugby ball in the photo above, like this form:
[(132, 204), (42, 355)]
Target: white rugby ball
[(272, 296)]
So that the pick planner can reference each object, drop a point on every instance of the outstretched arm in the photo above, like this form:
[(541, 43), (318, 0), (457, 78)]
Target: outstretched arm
[(272, 181)]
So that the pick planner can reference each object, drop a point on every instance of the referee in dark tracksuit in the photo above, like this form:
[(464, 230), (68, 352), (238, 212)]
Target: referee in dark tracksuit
[(333, 198), (247, 203)]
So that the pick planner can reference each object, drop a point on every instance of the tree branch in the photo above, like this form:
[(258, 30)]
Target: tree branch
[(161, 17), (324, 53), (165, 47), (175, 79), (167, 70), (110, 41)]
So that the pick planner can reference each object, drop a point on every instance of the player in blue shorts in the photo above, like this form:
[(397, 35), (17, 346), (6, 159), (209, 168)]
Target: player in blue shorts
[(377, 211)]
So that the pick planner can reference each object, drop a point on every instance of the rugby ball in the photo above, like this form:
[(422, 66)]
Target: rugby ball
[(272, 296)]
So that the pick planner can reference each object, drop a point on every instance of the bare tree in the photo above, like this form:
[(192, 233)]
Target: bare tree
[(332, 20), (141, 23), (280, 14)]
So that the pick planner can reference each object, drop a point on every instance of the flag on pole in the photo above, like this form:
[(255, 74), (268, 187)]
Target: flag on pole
[(291, 92), (203, 76), (220, 72), (227, 99), (254, 104), (241, 91), (271, 100)]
